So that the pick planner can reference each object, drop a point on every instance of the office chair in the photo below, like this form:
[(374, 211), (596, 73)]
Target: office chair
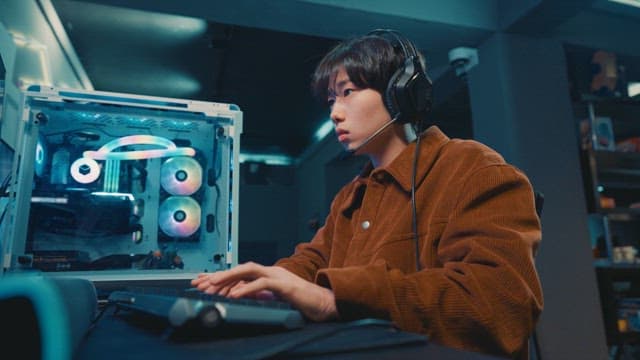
[(51, 315), (539, 203)]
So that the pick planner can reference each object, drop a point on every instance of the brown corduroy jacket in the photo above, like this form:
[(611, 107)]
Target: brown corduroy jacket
[(477, 287)]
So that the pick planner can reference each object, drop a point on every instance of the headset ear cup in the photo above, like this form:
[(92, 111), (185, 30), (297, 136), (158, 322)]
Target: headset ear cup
[(391, 95), (427, 93), (413, 93), (408, 89), (420, 93), (408, 93), (404, 94)]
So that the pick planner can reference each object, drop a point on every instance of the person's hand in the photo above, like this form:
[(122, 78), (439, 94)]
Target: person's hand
[(254, 280)]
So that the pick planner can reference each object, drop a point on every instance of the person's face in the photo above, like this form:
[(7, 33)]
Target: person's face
[(356, 113)]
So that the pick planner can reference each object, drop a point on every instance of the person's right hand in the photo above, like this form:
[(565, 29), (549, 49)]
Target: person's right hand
[(254, 280)]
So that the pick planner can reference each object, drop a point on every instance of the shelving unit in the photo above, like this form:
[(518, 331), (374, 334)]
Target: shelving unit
[(618, 283), (612, 177), (612, 186), (608, 123)]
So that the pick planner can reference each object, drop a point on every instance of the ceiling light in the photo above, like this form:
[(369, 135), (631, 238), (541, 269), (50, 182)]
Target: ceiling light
[(323, 130), (635, 3), (634, 89), (168, 28), (270, 159)]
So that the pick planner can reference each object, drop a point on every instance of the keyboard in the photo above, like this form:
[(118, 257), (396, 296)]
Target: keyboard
[(190, 307)]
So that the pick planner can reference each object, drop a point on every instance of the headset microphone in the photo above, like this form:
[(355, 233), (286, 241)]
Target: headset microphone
[(374, 134)]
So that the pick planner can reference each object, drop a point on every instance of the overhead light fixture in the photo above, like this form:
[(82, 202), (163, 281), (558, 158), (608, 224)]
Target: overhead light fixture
[(633, 88), (323, 130), (635, 3), (269, 159), (171, 29), (279, 159)]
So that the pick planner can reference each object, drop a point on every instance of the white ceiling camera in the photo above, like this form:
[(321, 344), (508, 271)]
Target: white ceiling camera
[(462, 59)]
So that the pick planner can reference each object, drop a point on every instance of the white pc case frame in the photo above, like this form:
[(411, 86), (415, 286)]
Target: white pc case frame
[(213, 129)]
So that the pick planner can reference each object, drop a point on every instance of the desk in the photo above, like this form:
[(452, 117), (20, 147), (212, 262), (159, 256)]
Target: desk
[(120, 337)]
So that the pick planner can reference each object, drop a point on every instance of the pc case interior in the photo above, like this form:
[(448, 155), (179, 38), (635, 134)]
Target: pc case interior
[(120, 186)]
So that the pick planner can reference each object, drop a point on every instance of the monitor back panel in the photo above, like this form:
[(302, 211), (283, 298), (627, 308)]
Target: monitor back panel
[(115, 186)]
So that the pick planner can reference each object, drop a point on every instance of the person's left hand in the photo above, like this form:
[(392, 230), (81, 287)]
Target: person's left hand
[(254, 280)]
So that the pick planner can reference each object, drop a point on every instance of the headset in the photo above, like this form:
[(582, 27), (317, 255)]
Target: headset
[(409, 92), (407, 97)]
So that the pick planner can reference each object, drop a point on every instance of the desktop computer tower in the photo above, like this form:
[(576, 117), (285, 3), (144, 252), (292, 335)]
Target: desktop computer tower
[(114, 187)]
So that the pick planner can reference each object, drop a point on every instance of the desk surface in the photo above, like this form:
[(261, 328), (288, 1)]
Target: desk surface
[(120, 336)]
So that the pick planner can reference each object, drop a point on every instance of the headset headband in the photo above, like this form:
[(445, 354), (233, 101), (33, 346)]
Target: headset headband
[(408, 93)]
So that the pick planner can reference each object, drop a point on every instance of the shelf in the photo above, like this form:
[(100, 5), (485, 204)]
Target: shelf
[(610, 175), (617, 281), (624, 172), (621, 185), (608, 264), (589, 98), (615, 175), (619, 213), (617, 161)]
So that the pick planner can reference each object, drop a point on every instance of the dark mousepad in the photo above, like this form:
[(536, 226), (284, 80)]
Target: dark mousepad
[(145, 339)]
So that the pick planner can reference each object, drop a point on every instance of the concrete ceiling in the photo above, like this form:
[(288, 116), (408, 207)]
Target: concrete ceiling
[(260, 54)]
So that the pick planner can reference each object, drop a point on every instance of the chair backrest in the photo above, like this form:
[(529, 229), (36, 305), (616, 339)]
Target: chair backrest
[(539, 201), (534, 348)]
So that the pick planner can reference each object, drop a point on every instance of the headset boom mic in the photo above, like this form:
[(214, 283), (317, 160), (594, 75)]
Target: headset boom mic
[(374, 134)]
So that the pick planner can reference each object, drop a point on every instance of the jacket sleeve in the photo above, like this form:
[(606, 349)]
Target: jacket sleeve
[(486, 294)]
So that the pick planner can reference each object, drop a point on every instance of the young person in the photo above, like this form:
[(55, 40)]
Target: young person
[(436, 234)]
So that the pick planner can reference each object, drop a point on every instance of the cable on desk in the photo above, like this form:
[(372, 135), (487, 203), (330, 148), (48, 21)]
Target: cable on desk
[(97, 318), (288, 346)]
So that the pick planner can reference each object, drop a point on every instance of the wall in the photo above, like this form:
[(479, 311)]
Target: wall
[(311, 178), (268, 212), (521, 106)]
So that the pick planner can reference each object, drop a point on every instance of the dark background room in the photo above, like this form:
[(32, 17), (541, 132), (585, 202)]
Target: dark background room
[(519, 76)]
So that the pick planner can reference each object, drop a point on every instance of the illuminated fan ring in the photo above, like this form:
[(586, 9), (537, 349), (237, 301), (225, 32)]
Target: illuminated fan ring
[(179, 216)]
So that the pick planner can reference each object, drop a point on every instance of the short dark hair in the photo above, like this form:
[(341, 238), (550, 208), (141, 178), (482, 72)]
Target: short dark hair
[(368, 60)]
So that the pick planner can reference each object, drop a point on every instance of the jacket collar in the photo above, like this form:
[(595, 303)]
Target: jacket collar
[(431, 142)]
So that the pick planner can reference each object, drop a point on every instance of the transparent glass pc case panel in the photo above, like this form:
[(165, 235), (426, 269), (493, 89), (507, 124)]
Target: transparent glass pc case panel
[(122, 186)]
